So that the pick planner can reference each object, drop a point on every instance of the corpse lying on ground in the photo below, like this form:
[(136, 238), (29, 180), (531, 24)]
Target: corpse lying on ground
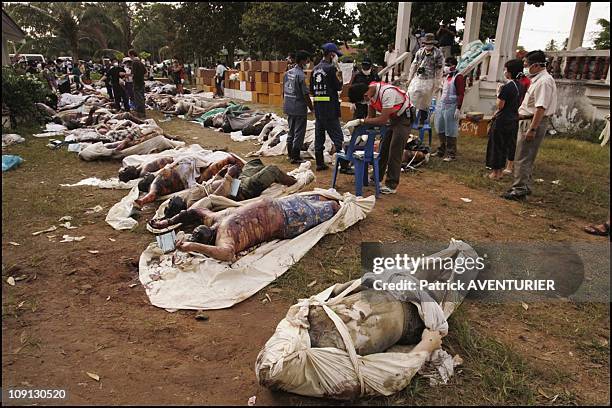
[(224, 234)]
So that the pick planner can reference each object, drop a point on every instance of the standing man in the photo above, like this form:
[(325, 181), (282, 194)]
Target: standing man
[(106, 78), (539, 104), (425, 77), (219, 77), (395, 109), (129, 79), (365, 75), (448, 110), (76, 72), (390, 57), (116, 74), (296, 101), (138, 72), (325, 84)]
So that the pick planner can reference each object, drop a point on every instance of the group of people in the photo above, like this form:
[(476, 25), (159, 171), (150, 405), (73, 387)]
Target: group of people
[(125, 83), (526, 101)]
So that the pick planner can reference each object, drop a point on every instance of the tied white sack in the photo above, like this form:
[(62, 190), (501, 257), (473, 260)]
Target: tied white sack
[(204, 283), (111, 183), (199, 193), (289, 363)]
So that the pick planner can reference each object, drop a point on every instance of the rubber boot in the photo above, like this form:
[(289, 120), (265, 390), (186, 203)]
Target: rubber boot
[(320, 162), (345, 167), (442, 148), (451, 149), (295, 158)]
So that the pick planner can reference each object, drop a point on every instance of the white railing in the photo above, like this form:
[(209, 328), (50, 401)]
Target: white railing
[(398, 61), (579, 65)]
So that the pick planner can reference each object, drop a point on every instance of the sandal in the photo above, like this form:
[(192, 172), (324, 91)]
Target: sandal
[(597, 230)]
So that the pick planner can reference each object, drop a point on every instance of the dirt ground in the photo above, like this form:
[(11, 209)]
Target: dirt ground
[(72, 312)]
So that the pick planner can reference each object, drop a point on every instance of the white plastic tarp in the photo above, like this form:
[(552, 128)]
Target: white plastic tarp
[(200, 282), (288, 362)]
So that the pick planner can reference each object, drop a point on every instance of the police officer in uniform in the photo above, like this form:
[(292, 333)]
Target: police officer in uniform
[(325, 84)]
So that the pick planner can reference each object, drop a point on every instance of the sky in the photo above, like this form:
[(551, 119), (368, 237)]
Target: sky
[(553, 20)]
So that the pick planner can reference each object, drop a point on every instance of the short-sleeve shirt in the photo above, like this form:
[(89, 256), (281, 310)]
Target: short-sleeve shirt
[(324, 86), (220, 71), (138, 70), (113, 74), (294, 90), (541, 93), (432, 63), (511, 93)]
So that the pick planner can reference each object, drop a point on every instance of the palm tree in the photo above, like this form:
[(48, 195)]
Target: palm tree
[(69, 22)]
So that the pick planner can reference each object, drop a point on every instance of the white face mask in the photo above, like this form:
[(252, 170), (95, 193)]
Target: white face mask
[(446, 70), (335, 59), (366, 71), (429, 47), (526, 71), (116, 64)]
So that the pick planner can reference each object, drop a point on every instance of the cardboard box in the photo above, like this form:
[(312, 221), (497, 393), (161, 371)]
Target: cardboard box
[(263, 98), (243, 65), (275, 89), (265, 66), (261, 77), (255, 66), (344, 93), (279, 66), (261, 87), (250, 87), (276, 100), (474, 129), (276, 77), (345, 111)]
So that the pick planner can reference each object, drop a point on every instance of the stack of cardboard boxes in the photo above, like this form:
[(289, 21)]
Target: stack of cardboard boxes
[(259, 82)]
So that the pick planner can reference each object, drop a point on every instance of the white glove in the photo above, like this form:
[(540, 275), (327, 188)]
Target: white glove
[(352, 107), (457, 114), (352, 123)]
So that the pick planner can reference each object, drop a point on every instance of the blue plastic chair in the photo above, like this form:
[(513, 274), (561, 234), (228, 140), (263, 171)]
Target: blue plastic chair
[(426, 125), (361, 157)]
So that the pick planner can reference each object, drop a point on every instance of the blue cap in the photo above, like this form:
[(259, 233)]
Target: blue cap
[(331, 47)]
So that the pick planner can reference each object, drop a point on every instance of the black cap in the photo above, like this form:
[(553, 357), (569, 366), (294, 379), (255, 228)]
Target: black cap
[(366, 61)]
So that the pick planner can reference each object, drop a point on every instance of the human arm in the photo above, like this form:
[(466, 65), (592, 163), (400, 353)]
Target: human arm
[(306, 94), (430, 341), (381, 119), (222, 253), (535, 122)]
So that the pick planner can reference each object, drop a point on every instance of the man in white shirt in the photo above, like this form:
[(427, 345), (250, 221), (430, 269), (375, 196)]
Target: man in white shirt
[(219, 77), (539, 104), (390, 57)]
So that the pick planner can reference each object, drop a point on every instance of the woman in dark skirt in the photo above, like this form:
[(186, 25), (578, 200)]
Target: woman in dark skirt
[(504, 126)]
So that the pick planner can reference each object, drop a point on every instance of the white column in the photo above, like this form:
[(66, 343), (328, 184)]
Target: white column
[(471, 30), (518, 28), (581, 15), (510, 16), (402, 32)]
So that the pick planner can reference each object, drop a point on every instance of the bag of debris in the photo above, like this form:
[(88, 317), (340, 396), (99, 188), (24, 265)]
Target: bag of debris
[(343, 343)]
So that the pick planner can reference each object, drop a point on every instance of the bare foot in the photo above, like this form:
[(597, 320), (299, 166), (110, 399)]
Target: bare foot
[(495, 175)]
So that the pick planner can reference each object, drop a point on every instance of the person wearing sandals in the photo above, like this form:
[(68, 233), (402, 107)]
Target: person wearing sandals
[(504, 127), (602, 230)]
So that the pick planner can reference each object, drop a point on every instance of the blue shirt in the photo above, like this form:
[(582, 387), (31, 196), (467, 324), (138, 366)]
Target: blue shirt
[(324, 85), (295, 90)]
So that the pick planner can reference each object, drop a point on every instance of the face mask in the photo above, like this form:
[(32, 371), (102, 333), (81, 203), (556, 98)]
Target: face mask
[(335, 59), (366, 71), (116, 64), (429, 47), (526, 71)]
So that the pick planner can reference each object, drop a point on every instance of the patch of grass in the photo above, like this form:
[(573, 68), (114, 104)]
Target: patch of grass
[(583, 169)]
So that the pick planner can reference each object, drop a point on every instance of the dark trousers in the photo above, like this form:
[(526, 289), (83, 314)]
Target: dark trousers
[(121, 96), (129, 90), (334, 130), (219, 85), (109, 90), (295, 136), (502, 144), (392, 149), (139, 99)]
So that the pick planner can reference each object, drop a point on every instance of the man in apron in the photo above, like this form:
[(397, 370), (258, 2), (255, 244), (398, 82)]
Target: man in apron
[(448, 110)]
